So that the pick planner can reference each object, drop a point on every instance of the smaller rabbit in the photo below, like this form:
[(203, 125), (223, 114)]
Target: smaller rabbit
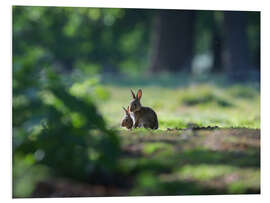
[(127, 120), (143, 116)]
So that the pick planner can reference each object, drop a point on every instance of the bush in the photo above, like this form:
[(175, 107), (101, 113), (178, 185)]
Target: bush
[(63, 132)]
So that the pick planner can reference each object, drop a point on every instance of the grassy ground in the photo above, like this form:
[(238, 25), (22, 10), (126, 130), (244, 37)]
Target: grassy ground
[(177, 159), (176, 162), (184, 156), (180, 103), (219, 161)]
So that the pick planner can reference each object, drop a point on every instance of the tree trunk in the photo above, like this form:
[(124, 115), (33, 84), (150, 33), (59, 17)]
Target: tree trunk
[(172, 41), (236, 56), (217, 45)]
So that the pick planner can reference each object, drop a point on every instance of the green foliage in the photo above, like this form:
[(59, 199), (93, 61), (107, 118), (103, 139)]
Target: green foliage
[(91, 39), (65, 133), (89, 89), (64, 115), (106, 39), (26, 174)]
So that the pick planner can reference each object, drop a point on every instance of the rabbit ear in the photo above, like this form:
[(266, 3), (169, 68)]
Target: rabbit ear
[(133, 95), (125, 110), (139, 94), (128, 109)]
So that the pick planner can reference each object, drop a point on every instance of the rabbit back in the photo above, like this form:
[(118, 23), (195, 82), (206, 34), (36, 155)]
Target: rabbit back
[(146, 117)]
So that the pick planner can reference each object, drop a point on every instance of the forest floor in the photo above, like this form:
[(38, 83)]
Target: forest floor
[(194, 161), (190, 161), (179, 101), (208, 141)]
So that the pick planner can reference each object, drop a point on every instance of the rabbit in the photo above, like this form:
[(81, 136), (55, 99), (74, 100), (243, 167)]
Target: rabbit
[(143, 116), (127, 120)]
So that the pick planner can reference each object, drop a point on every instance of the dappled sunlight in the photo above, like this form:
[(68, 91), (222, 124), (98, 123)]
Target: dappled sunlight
[(202, 104), (72, 72), (215, 161)]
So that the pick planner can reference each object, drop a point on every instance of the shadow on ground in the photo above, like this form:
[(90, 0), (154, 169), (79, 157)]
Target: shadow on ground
[(176, 162)]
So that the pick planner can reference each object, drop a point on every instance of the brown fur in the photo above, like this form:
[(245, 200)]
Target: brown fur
[(127, 120), (143, 116)]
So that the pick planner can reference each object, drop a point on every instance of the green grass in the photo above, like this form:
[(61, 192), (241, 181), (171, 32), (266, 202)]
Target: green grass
[(174, 160), (201, 103), (220, 161), (180, 161)]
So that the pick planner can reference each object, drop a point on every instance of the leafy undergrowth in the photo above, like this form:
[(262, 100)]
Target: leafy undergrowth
[(190, 161)]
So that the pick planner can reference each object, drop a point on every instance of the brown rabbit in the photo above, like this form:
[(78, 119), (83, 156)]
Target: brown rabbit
[(127, 120), (143, 116)]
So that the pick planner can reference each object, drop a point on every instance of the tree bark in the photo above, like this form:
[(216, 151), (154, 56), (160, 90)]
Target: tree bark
[(217, 46), (236, 55), (172, 44)]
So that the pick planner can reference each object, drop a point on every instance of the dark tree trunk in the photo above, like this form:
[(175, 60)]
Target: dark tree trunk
[(172, 41), (217, 45), (236, 56), (258, 53)]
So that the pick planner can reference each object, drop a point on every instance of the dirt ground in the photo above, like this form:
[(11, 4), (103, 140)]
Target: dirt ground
[(190, 161)]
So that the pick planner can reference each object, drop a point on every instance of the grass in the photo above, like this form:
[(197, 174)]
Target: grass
[(219, 161), (201, 103), (175, 159)]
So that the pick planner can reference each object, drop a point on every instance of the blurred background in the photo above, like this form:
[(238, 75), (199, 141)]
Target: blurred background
[(73, 68), (138, 41)]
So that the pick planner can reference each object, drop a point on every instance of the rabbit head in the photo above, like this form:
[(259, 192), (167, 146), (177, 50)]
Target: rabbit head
[(135, 104), (127, 120)]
